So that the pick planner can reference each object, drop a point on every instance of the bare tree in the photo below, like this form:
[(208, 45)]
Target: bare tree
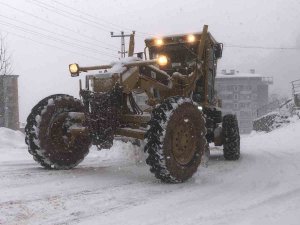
[(5, 59)]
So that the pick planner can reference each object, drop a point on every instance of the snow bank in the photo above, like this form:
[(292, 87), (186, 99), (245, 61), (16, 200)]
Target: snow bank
[(11, 138), (287, 136), (12, 145), (263, 187)]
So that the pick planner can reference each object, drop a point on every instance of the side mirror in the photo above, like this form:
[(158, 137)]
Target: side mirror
[(140, 55), (218, 50)]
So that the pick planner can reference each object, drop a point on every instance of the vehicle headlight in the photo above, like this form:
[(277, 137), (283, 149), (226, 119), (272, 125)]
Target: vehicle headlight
[(162, 60), (158, 42), (191, 38), (74, 69)]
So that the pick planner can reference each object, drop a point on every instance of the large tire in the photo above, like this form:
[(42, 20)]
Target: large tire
[(47, 137), (175, 140), (231, 137)]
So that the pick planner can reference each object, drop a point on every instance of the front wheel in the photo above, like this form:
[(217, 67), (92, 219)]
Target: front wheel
[(231, 137), (175, 140), (47, 133)]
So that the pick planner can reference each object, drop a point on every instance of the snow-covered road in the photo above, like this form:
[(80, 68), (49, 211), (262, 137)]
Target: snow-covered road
[(263, 187)]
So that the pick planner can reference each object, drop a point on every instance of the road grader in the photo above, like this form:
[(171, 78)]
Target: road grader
[(183, 115)]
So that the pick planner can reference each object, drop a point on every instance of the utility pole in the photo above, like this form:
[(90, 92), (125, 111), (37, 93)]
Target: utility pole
[(122, 36)]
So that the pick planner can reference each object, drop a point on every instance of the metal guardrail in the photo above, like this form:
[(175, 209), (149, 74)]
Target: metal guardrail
[(273, 106), (296, 86), (296, 92), (268, 108), (276, 105)]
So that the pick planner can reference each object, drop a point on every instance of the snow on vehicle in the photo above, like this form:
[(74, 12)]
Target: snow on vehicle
[(181, 119)]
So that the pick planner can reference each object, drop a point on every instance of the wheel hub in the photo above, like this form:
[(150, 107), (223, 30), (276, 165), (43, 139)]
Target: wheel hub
[(58, 132), (184, 141)]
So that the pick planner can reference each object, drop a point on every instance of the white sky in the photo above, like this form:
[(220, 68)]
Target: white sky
[(43, 69)]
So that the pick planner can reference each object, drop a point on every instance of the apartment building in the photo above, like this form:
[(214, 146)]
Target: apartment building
[(9, 105), (242, 94)]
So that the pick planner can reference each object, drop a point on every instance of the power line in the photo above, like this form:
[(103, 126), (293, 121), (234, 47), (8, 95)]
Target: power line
[(262, 47), (55, 24), (53, 38), (67, 14), (49, 45), (72, 16), (95, 19), (43, 29)]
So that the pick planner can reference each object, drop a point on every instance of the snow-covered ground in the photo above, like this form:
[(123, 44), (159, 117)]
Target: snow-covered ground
[(109, 187)]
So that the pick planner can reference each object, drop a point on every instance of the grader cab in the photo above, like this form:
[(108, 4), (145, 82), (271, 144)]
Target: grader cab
[(177, 74)]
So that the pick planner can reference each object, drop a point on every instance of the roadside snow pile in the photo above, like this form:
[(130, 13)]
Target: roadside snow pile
[(12, 145), (11, 139), (287, 136), (263, 187)]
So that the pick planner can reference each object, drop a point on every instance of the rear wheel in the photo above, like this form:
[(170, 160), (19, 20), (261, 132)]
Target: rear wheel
[(175, 140), (231, 137), (47, 133)]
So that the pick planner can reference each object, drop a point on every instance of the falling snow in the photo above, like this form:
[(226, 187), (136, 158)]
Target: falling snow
[(112, 187)]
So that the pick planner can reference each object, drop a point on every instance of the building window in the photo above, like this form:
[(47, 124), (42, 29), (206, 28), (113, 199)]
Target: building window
[(236, 106), (245, 123), (227, 96), (229, 88), (244, 114), (220, 88), (242, 105), (227, 106), (235, 88), (236, 97)]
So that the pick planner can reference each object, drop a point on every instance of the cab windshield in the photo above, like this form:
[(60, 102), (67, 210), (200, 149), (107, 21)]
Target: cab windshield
[(182, 57)]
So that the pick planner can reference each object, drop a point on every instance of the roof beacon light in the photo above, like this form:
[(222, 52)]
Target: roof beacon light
[(159, 42), (191, 38)]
